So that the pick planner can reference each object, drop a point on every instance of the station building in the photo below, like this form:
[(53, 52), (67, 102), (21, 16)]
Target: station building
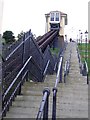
[(62, 21), (56, 20)]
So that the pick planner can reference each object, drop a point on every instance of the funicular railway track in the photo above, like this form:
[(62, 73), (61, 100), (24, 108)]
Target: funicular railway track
[(46, 39), (20, 64)]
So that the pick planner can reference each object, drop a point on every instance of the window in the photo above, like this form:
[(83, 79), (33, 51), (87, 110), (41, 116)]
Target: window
[(52, 16), (57, 17)]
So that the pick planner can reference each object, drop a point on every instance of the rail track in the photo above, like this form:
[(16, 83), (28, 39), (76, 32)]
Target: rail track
[(46, 39)]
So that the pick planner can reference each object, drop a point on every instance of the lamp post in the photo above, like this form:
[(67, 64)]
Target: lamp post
[(86, 36), (77, 39), (81, 39)]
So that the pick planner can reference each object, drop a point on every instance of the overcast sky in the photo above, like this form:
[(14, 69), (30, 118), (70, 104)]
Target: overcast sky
[(23, 15)]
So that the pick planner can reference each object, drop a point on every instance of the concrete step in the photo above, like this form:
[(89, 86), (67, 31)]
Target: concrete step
[(20, 112), (27, 104), (72, 96)]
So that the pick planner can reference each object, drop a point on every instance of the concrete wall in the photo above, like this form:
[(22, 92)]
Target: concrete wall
[(62, 24)]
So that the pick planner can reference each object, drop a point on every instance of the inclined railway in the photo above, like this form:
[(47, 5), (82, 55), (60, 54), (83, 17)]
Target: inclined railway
[(47, 39)]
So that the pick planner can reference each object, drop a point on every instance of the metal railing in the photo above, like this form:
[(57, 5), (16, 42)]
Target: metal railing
[(67, 67), (58, 80), (44, 106), (83, 66), (85, 71), (79, 60)]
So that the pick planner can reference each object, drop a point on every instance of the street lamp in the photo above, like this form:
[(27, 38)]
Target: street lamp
[(86, 36), (77, 39), (81, 39)]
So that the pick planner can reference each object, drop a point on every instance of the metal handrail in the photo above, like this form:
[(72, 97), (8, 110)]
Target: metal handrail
[(58, 80), (18, 85), (20, 72), (43, 110), (65, 71), (87, 71), (59, 77), (67, 67), (45, 71)]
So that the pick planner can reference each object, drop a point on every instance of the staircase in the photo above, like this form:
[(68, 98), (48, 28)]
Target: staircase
[(27, 104), (72, 96), (72, 100)]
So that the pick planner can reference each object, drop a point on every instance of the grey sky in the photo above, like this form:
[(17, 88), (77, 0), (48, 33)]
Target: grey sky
[(23, 15)]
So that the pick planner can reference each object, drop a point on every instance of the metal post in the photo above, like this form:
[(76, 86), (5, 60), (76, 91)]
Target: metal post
[(79, 37), (19, 91), (54, 103), (45, 111), (86, 33), (0, 82), (81, 41), (87, 79), (60, 74)]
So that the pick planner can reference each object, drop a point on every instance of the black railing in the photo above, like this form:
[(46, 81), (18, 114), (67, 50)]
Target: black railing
[(79, 60), (23, 60), (44, 106), (85, 71), (58, 80), (62, 50), (46, 68), (67, 67), (14, 87), (83, 66)]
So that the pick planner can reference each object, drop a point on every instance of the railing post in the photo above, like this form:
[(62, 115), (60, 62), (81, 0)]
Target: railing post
[(54, 104), (87, 79), (45, 111), (60, 75)]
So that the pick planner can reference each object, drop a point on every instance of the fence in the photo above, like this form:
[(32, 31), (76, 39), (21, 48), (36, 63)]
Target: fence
[(23, 60)]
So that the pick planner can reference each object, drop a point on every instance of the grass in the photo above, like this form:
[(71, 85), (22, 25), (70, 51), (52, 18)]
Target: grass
[(55, 50), (83, 48)]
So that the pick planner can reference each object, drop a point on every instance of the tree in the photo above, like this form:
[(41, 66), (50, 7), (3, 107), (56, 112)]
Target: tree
[(20, 35), (9, 36)]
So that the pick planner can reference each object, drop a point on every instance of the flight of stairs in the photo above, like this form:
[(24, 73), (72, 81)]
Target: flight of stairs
[(27, 104), (72, 96)]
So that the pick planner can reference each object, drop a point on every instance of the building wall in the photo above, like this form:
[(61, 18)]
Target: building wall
[(62, 24)]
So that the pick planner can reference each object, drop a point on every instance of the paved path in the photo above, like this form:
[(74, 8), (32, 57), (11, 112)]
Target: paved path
[(72, 96)]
